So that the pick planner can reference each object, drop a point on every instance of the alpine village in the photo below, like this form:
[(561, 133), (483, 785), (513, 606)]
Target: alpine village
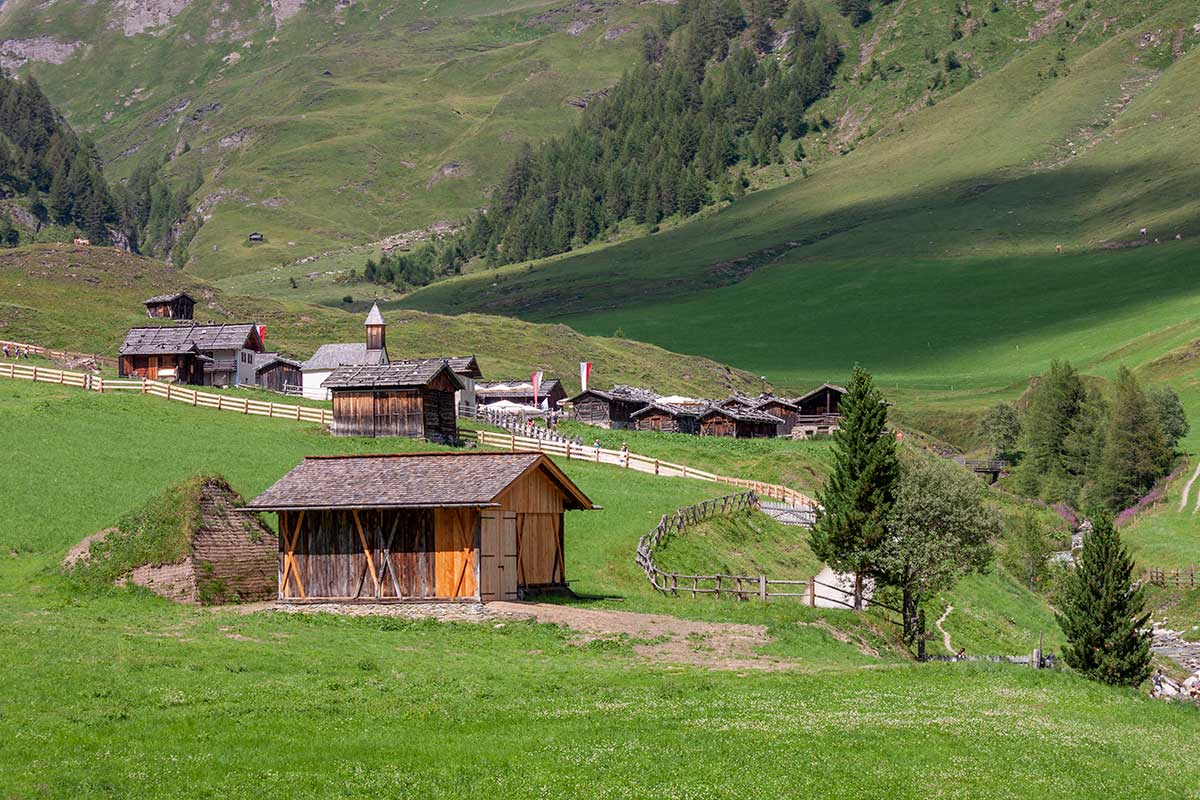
[(600, 398)]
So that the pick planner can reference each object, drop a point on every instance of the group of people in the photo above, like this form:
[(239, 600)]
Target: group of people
[(15, 351)]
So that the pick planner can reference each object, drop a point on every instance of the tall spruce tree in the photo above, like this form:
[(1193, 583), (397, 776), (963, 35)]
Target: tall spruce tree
[(1103, 614), (1054, 404), (1136, 452), (861, 490)]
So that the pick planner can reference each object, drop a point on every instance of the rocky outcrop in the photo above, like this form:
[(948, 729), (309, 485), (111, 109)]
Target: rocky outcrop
[(137, 16), (16, 53)]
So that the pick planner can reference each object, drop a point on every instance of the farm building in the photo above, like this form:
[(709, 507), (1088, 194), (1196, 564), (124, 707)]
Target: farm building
[(373, 351), (203, 355), (787, 412), (661, 416), (520, 392), (818, 411), (741, 423), (421, 526), (179, 305), (612, 409), (406, 398), (277, 372)]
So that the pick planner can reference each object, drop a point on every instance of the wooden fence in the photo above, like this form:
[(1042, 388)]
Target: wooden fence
[(1187, 578), (640, 463), (167, 391), (741, 587), (58, 355)]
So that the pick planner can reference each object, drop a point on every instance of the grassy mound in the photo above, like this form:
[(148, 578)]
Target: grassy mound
[(157, 532), (746, 543)]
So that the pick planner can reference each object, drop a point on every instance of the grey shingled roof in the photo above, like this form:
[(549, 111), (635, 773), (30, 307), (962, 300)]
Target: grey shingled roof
[(673, 410), (821, 388), (332, 356), (166, 298), (465, 365), (743, 415), (375, 317), (396, 375), (264, 360), (413, 480), (620, 392), (156, 340)]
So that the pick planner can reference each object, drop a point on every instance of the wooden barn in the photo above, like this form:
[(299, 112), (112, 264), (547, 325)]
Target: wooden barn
[(787, 412), (203, 355), (817, 411), (179, 305), (472, 526), (612, 409), (739, 423), (404, 398), (277, 372), (521, 392), (667, 417)]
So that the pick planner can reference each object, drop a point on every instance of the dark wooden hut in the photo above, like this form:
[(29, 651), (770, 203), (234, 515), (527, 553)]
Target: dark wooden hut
[(404, 398), (277, 372), (203, 355), (817, 411), (179, 305), (520, 391), (472, 526), (612, 409), (668, 418), (739, 423), (787, 412)]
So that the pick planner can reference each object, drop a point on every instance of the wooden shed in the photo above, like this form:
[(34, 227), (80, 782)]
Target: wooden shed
[(178, 305), (668, 418), (817, 411), (739, 423), (612, 409), (404, 398), (472, 526), (787, 412), (277, 373)]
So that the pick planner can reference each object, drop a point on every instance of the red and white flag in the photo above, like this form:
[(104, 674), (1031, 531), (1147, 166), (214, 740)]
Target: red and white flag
[(262, 333), (585, 372), (536, 379)]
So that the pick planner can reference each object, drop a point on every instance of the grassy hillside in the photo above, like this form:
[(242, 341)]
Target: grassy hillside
[(340, 124), (928, 253), (86, 298), (118, 693)]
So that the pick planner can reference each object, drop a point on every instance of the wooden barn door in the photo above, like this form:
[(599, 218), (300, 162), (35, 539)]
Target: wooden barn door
[(498, 556)]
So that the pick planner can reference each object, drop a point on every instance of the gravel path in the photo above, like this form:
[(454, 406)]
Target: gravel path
[(945, 636)]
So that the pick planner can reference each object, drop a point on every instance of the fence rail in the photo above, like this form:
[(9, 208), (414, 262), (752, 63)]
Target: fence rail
[(741, 587), (58, 355), (640, 463), (1187, 578), (167, 391)]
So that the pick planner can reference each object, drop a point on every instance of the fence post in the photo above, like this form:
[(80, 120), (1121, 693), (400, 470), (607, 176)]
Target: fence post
[(718, 585), (762, 588), (656, 466), (512, 444), (35, 373), (245, 405), (143, 385), (812, 592), (168, 391)]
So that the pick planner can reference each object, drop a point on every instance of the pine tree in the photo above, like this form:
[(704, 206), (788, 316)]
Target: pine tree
[(1054, 404), (1103, 614), (861, 490), (1136, 452)]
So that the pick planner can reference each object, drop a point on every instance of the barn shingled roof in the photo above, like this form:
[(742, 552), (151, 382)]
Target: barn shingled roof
[(264, 360), (156, 340), (408, 480), (167, 298), (396, 375), (670, 408), (821, 388), (743, 415)]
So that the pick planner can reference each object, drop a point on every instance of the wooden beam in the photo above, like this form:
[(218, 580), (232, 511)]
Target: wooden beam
[(362, 537), (290, 567)]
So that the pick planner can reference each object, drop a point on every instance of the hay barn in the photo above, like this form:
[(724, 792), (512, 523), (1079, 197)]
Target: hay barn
[(471, 526), (817, 411), (406, 398), (668, 418), (612, 409), (277, 372), (179, 305), (740, 423)]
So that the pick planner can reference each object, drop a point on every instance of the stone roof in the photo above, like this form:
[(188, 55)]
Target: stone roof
[(743, 415), (620, 392), (465, 365), (332, 356), (821, 388), (264, 360), (167, 298), (408, 480), (396, 375), (184, 338), (672, 409)]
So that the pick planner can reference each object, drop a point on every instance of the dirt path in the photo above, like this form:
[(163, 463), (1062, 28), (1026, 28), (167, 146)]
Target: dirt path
[(717, 645), (945, 636), (1187, 490)]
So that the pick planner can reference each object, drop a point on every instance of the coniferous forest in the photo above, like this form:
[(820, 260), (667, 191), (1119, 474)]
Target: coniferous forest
[(723, 85)]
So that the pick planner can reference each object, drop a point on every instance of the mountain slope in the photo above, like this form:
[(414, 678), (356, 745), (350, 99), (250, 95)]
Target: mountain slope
[(85, 298), (319, 124)]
